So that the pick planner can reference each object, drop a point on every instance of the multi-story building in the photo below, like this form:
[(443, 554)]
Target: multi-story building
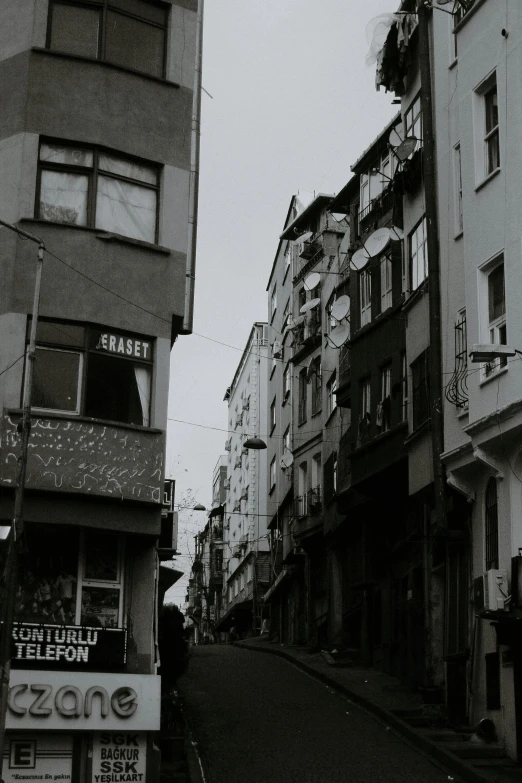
[(316, 278), (245, 545), (100, 113)]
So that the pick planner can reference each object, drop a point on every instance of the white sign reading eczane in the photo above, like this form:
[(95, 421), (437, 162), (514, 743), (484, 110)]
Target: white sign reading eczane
[(83, 700)]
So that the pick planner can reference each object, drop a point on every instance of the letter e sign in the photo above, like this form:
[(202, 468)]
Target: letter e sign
[(22, 754)]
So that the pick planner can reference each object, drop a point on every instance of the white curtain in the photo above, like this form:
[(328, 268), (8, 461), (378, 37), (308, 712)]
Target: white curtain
[(142, 375), (63, 197), (126, 209)]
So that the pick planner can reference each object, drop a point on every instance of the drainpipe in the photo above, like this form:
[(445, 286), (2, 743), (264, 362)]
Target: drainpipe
[(190, 270), (430, 195)]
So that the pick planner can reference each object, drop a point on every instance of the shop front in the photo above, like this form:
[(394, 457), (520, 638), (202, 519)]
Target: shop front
[(81, 727)]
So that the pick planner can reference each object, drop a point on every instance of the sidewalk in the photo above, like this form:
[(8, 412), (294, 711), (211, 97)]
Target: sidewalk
[(401, 710)]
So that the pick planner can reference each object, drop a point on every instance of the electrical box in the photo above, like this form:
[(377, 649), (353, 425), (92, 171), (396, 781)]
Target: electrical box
[(491, 591)]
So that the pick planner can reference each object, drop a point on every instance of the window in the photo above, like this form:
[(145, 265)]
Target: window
[(316, 471), (418, 255), (288, 257), (286, 313), (404, 388), (383, 415), (491, 524), (315, 379), (364, 410), (90, 187), (272, 415), (386, 282), (272, 474), (86, 370), (83, 586), (365, 296), (497, 327), (331, 322), (413, 121), (273, 302), (301, 298), (250, 572), (286, 382), (420, 389), (331, 398), (301, 414), (365, 195), (129, 33), (286, 439), (491, 137), (459, 215)]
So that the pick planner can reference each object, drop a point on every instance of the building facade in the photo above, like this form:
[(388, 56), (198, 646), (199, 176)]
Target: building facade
[(95, 153), (245, 545)]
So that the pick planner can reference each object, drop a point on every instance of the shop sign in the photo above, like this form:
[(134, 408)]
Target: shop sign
[(121, 345), (38, 757), (67, 646), (52, 700), (119, 757)]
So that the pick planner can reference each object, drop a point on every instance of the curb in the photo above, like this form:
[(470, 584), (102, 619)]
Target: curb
[(448, 760)]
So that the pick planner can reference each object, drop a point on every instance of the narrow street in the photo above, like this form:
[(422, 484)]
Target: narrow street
[(258, 718)]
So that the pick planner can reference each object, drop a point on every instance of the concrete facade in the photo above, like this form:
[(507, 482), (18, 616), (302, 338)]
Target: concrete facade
[(75, 129)]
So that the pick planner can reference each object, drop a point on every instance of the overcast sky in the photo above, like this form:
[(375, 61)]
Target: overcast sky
[(293, 106)]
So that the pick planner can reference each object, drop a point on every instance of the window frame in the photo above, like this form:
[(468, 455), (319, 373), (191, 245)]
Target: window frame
[(302, 397), (92, 175), (482, 136), (386, 277), (385, 382), (420, 383), (287, 382), (491, 542), (496, 327), (102, 584), (413, 257), (413, 120), (331, 399), (316, 383), (459, 202), (493, 133), (84, 351), (103, 7), (273, 414), (364, 281)]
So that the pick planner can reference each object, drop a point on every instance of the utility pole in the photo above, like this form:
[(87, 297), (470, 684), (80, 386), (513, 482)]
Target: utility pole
[(435, 356), (17, 527)]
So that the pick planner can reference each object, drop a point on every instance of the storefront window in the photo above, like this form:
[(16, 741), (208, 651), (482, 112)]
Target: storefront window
[(71, 577)]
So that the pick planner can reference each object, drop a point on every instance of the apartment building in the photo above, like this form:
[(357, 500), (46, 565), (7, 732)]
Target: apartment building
[(245, 545), (96, 139)]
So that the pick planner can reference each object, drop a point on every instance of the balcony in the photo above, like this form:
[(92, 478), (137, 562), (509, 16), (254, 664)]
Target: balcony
[(85, 456), (308, 518)]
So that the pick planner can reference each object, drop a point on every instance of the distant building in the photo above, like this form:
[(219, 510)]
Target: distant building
[(245, 553)]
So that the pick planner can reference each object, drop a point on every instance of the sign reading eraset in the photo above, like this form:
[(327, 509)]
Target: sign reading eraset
[(86, 700), (125, 346)]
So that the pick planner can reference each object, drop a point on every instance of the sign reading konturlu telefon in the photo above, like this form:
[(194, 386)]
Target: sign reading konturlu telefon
[(67, 646)]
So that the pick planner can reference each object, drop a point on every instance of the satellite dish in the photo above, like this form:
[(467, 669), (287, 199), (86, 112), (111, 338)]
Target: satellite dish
[(396, 234), (287, 460), (405, 148), (339, 336), (304, 238), (312, 281), (299, 320), (345, 242), (310, 305), (359, 259), (394, 139), (341, 307), (377, 241)]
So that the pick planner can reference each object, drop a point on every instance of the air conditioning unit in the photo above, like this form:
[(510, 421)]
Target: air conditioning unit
[(491, 591), (307, 250), (246, 403), (277, 350), (228, 444)]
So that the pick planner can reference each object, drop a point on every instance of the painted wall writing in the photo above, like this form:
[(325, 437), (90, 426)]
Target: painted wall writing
[(68, 455)]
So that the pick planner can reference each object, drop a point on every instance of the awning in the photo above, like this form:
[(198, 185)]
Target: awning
[(287, 571)]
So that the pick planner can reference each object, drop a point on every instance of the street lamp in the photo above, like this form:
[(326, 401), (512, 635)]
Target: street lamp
[(254, 443), (491, 351)]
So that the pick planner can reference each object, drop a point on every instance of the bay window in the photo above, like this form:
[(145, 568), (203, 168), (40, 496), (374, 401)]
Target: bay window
[(93, 372), (128, 33), (94, 188)]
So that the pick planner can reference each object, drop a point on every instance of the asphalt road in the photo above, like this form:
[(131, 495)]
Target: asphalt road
[(259, 719)]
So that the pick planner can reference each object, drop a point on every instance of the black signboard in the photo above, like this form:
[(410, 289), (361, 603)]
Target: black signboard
[(76, 647)]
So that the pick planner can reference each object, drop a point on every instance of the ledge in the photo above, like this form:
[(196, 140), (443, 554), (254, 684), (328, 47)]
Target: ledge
[(134, 242), (487, 179), (105, 63), (421, 430), (415, 296)]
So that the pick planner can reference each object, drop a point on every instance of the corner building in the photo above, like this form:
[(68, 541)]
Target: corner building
[(95, 159)]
